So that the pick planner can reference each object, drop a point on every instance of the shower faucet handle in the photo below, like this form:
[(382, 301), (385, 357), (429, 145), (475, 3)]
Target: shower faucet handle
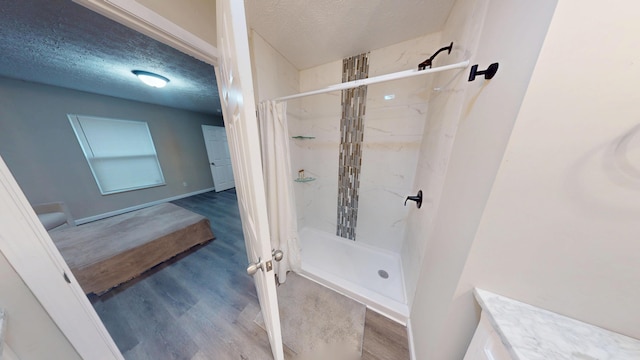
[(417, 199)]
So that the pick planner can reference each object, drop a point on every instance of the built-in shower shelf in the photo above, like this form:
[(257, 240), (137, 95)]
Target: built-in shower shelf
[(303, 180), (300, 137)]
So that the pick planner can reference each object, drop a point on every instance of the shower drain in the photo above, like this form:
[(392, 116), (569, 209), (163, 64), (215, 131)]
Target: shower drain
[(383, 274)]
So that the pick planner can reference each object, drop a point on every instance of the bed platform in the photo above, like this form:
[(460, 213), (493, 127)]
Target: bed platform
[(108, 252)]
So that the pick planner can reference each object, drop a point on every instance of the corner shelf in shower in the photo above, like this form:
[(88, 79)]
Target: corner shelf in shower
[(304, 180), (300, 137)]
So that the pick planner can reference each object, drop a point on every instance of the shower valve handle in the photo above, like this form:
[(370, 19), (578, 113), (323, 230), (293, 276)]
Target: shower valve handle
[(417, 199)]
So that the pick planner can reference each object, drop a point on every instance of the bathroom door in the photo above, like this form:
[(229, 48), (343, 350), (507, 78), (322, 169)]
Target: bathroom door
[(235, 84)]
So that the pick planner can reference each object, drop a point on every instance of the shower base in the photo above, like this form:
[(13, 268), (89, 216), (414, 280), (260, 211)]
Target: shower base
[(365, 273)]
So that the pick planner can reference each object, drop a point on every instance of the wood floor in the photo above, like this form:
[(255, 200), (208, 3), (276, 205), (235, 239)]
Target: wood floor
[(201, 305)]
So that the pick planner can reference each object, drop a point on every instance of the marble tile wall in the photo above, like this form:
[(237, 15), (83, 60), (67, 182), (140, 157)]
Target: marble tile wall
[(393, 132), (445, 108), (319, 117)]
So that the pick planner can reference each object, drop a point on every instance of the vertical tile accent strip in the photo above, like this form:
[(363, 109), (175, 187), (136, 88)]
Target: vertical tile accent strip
[(351, 136)]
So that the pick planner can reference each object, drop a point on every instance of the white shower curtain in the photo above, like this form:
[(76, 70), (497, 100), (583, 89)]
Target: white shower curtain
[(276, 165)]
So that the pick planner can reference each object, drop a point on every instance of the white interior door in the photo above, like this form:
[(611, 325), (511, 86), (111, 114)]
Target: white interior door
[(215, 139), (239, 111), (28, 248)]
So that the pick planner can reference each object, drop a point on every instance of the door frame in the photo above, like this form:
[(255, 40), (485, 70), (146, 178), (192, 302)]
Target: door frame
[(35, 257)]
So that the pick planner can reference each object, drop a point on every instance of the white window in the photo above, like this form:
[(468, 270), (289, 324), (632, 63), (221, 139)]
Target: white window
[(120, 153)]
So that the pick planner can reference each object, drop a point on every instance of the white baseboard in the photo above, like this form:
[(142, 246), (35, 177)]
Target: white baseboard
[(138, 207), (412, 347)]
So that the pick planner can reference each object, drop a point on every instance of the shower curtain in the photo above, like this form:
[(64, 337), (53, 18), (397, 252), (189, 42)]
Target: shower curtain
[(276, 166)]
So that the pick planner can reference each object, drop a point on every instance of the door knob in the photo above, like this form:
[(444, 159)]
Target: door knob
[(265, 266), (277, 255), (253, 267)]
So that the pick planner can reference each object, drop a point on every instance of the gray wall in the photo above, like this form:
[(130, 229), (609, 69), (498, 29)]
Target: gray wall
[(41, 150)]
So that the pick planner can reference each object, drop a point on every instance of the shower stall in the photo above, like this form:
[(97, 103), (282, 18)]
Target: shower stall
[(363, 146), (366, 266)]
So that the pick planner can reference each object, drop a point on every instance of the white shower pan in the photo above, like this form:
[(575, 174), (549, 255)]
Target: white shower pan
[(365, 273)]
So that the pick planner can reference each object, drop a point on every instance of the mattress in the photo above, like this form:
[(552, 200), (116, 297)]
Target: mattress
[(108, 252)]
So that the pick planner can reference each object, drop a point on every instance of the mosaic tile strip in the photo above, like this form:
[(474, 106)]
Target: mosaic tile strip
[(351, 136)]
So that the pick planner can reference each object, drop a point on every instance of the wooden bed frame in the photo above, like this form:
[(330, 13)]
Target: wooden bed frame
[(108, 252)]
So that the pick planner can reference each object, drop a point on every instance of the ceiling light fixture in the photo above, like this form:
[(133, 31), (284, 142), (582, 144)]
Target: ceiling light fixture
[(151, 79)]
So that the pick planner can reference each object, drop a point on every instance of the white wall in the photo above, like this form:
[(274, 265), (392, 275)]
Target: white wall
[(31, 333), (511, 34), (274, 76), (196, 16), (392, 137), (560, 229)]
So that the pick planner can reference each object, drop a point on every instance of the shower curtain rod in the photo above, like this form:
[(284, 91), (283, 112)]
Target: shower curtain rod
[(376, 79)]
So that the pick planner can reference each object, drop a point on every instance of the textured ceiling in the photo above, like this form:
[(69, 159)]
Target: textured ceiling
[(311, 33), (58, 42)]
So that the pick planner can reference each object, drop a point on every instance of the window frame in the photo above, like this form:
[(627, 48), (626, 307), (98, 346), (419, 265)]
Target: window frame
[(76, 124)]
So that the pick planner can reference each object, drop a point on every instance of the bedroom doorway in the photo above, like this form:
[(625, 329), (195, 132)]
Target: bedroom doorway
[(215, 139), (86, 307)]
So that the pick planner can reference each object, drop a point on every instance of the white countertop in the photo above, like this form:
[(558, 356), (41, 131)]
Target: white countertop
[(531, 333)]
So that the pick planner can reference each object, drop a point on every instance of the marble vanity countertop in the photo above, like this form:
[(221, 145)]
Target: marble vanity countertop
[(531, 333)]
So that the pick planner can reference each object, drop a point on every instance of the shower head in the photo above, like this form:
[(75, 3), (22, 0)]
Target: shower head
[(427, 63)]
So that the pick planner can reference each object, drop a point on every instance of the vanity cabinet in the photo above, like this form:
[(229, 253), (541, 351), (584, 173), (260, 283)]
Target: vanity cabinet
[(486, 343)]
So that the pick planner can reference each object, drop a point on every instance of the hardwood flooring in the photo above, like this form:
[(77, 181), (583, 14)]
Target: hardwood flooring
[(201, 304), (384, 339)]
